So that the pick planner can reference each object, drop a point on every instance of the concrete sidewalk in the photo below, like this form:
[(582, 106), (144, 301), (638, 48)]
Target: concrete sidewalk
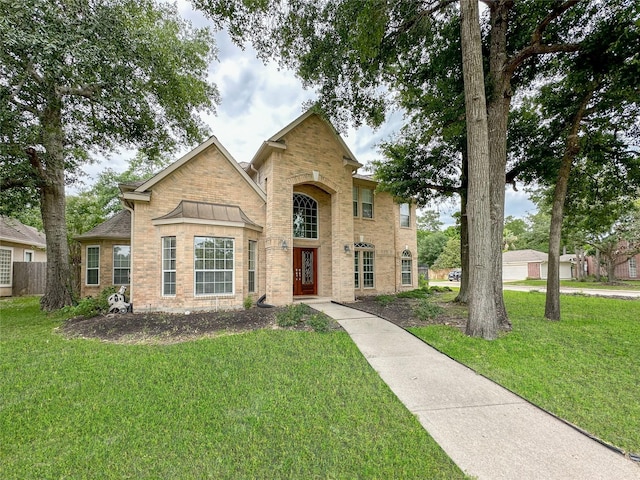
[(489, 432)]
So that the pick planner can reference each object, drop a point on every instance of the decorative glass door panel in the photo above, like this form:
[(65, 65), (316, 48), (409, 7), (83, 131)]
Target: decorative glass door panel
[(305, 263)]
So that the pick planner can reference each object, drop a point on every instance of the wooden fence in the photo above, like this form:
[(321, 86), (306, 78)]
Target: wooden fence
[(29, 278)]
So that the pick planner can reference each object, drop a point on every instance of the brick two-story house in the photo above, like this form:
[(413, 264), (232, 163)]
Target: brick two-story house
[(297, 221)]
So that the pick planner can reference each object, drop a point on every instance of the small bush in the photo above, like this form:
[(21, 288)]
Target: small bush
[(319, 322), (425, 310), (385, 300), (437, 289), (292, 315), (423, 282), (418, 293), (90, 307), (248, 302)]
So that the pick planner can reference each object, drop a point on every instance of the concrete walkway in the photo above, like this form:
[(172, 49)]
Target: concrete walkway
[(489, 432)]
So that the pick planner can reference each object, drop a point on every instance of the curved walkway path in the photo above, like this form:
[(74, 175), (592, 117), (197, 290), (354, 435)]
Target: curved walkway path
[(489, 432)]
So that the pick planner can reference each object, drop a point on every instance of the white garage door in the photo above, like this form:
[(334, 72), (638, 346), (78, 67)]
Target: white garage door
[(514, 271)]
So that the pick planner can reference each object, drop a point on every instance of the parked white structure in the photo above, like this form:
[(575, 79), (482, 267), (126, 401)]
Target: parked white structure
[(532, 264)]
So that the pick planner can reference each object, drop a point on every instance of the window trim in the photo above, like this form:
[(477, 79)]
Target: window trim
[(88, 268), (113, 265), (359, 251), (214, 270), (252, 263), (171, 248), (30, 252), (314, 227), (406, 216), (358, 203), (10, 272), (406, 259)]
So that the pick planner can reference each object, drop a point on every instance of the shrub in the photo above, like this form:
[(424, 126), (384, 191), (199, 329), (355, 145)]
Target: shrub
[(248, 302), (292, 315), (423, 282), (90, 307), (385, 300), (319, 322), (418, 293), (425, 310)]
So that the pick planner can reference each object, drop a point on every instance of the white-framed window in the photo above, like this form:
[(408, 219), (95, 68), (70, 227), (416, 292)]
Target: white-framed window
[(356, 199), (168, 266), (405, 267), (363, 202), (121, 264), (251, 262), (213, 265), (6, 266), (305, 216), (633, 267), (29, 255), (405, 215), (93, 265), (364, 265)]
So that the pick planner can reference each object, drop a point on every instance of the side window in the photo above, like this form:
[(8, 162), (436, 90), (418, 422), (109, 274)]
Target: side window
[(252, 265), (405, 215), (356, 199), (367, 202), (121, 264), (168, 265), (6, 260), (93, 265), (405, 267)]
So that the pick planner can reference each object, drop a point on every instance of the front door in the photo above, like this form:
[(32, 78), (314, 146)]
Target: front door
[(305, 266)]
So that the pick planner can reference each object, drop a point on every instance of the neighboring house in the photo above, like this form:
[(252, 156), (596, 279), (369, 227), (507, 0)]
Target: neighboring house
[(626, 270), (297, 221), (532, 264), (18, 243)]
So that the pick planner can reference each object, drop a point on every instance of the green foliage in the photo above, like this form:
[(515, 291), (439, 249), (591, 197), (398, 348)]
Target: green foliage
[(89, 306), (426, 310), (430, 246), (247, 303), (423, 281), (319, 322), (417, 293), (266, 404), (584, 368), (385, 300), (450, 256)]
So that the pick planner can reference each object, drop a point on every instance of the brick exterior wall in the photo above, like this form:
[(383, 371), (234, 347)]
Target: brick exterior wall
[(105, 277), (311, 163)]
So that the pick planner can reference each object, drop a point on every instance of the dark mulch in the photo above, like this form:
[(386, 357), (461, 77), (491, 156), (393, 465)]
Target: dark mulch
[(158, 327)]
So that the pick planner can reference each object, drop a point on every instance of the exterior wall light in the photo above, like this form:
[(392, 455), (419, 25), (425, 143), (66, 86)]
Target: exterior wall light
[(347, 249), (284, 245)]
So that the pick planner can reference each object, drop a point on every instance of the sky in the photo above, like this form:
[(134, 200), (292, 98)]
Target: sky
[(258, 100)]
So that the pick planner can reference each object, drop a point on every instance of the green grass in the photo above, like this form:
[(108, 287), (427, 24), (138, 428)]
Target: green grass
[(585, 368), (622, 285), (266, 404)]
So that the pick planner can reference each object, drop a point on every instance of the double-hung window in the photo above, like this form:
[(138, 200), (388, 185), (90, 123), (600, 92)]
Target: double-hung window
[(405, 215), (363, 266), (168, 266), (362, 202), (213, 265), (405, 267), (121, 264), (252, 265), (93, 265)]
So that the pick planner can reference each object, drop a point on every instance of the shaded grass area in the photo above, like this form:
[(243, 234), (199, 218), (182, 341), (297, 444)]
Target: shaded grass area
[(266, 404), (585, 368), (619, 285)]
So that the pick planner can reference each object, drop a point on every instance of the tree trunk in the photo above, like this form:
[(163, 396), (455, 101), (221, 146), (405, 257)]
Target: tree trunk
[(552, 303), (463, 295), (482, 321), (498, 114), (58, 291), (598, 273)]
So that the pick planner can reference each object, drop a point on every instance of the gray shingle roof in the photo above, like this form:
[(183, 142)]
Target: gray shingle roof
[(11, 230), (117, 227), (524, 256)]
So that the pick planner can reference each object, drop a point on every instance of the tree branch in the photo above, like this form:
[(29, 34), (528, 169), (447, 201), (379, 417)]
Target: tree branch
[(87, 91), (35, 162)]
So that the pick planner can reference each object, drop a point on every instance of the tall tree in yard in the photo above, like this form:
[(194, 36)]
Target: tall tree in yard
[(88, 76), (482, 314)]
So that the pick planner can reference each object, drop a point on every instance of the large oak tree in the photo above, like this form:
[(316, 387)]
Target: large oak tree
[(84, 76)]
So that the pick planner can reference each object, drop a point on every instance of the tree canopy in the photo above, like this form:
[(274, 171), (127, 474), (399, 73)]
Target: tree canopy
[(82, 77)]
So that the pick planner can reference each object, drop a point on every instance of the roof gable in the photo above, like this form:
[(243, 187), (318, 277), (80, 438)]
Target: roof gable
[(141, 191), (276, 141), (116, 227), (513, 256)]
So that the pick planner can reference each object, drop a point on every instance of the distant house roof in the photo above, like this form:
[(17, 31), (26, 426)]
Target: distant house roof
[(201, 212), (517, 256), (117, 227), (12, 230)]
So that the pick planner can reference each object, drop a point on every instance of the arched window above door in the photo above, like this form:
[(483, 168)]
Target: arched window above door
[(305, 216)]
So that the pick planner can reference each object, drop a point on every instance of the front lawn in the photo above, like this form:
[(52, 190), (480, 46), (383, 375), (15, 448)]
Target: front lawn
[(585, 368), (589, 285), (265, 404)]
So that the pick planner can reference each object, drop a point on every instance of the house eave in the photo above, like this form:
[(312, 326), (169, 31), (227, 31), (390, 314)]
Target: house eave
[(137, 196)]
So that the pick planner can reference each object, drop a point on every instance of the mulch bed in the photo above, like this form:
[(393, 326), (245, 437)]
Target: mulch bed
[(158, 327)]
